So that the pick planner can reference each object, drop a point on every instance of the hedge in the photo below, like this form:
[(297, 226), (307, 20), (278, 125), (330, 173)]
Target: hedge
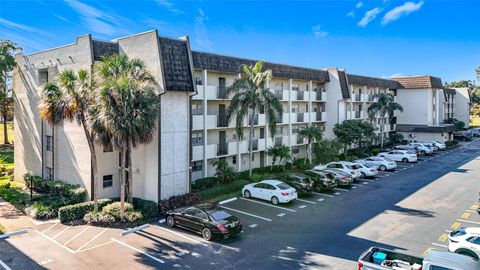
[(178, 201), (77, 211), (451, 143), (75, 193), (149, 209), (204, 183), (223, 189)]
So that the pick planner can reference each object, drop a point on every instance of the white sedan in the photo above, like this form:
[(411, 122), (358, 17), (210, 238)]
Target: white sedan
[(380, 163), (270, 190), (344, 166), (399, 155), (465, 241), (367, 171), (439, 145)]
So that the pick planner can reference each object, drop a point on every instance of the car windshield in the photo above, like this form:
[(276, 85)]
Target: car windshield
[(283, 186), (353, 167), (219, 214)]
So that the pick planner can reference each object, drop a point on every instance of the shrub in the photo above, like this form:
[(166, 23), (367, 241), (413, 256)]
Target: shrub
[(256, 178), (77, 211), (76, 193), (451, 143), (133, 216), (179, 201), (98, 218), (10, 171), (114, 209), (41, 211), (223, 189), (204, 183), (149, 209), (375, 151)]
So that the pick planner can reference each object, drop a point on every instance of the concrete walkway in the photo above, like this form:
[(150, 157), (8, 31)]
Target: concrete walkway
[(13, 219)]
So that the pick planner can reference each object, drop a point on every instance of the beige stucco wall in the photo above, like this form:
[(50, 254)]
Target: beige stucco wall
[(335, 105), (461, 105), (417, 106)]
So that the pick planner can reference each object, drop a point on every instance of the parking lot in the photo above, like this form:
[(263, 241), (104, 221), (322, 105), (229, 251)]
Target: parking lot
[(411, 208)]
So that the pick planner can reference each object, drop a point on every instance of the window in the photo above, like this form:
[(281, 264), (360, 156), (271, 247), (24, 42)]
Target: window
[(197, 109), (198, 80), (42, 76), (234, 160), (189, 211), (49, 143), (199, 214), (253, 157), (107, 181), (49, 173), (260, 185), (197, 138), (434, 267), (108, 148), (197, 165)]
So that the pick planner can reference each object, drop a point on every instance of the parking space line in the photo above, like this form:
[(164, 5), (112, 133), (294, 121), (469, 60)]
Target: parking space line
[(371, 180), (455, 225), (365, 183), (155, 238), (55, 242), (93, 239), (64, 230), (97, 246), (439, 245), (470, 211), (468, 221), (51, 227), (337, 193), (321, 199), (449, 231), (307, 201), (138, 250), (466, 215), (4, 265), (181, 235), (355, 185), (274, 206), (321, 194), (443, 237), (78, 234), (245, 213), (341, 189)]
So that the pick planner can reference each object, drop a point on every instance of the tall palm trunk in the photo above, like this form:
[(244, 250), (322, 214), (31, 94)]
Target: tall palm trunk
[(309, 154), (382, 129), (250, 143), (5, 112), (93, 157), (130, 173), (122, 182)]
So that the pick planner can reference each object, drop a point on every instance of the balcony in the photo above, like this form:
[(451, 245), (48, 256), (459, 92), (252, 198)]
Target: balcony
[(357, 97), (197, 152), (279, 94), (254, 145), (210, 151), (279, 119), (222, 149), (197, 123), (199, 95), (300, 140), (358, 114), (222, 121), (222, 92), (278, 140), (198, 111), (300, 95), (319, 116), (371, 98), (253, 120), (300, 117)]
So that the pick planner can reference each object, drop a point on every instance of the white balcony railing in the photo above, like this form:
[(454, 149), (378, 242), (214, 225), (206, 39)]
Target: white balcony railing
[(197, 152), (197, 123), (199, 95)]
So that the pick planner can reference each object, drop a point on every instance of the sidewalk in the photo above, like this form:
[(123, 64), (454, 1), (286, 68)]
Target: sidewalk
[(12, 219)]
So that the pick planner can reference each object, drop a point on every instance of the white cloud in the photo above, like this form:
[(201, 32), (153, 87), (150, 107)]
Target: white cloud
[(359, 4), (369, 16), (201, 31), (397, 12), (351, 14), (23, 28), (169, 5), (318, 32), (396, 75)]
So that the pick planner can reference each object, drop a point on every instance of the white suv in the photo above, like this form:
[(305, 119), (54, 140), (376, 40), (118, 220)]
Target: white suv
[(344, 166), (465, 241), (380, 163), (439, 145), (399, 155), (422, 148)]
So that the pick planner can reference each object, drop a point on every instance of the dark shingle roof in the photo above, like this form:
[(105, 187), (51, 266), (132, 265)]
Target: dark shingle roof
[(419, 82), (215, 62), (343, 84), (373, 82), (176, 65), (426, 128), (103, 48)]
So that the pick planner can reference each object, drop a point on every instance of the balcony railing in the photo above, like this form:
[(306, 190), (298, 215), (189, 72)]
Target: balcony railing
[(300, 140), (278, 141), (197, 111), (198, 82), (358, 97), (279, 118), (357, 114), (254, 145), (300, 117), (254, 120), (319, 95), (222, 149), (319, 116), (295, 88), (371, 98), (197, 141), (222, 121), (279, 94), (222, 92), (300, 95)]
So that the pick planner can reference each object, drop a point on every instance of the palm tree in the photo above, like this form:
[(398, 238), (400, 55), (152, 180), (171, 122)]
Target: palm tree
[(127, 110), (250, 96), (385, 106), (72, 100), (223, 170), (313, 134), (7, 64), (278, 151)]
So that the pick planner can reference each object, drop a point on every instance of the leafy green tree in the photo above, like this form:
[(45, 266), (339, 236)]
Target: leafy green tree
[(250, 95), (7, 64), (384, 107), (459, 125), (396, 138), (326, 150), (72, 100), (279, 152), (223, 170), (347, 133), (313, 134), (127, 109)]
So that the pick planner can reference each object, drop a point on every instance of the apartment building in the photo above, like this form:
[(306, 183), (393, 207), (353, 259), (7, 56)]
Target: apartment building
[(160, 169), (461, 105)]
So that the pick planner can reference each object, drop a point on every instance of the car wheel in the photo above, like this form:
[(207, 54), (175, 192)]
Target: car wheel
[(383, 168), (423, 153), (363, 175), (170, 221), (275, 200), (207, 234), (405, 160), (247, 194), (467, 253)]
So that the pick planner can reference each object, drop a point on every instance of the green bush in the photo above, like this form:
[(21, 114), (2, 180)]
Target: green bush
[(178, 201), (223, 189), (149, 209), (114, 209), (10, 171), (204, 183), (76, 193), (76, 212), (98, 218), (375, 151), (451, 143), (133, 216), (41, 211)]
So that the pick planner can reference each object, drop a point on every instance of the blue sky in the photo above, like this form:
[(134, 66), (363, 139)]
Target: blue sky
[(376, 38)]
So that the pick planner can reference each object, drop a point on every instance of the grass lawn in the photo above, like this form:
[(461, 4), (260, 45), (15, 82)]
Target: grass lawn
[(9, 132), (15, 193)]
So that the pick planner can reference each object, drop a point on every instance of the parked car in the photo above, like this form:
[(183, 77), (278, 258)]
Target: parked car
[(399, 155), (301, 182), (431, 145), (367, 171), (322, 180), (345, 166), (271, 190), (209, 221), (408, 148), (439, 145), (342, 178), (422, 148), (380, 163), (465, 241), (462, 135), (475, 132)]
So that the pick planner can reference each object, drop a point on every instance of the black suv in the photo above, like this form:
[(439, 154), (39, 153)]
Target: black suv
[(322, 180), (301, 182)]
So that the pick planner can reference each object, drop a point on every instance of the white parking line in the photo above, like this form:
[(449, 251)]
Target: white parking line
[(371, 180), (64, 230), (55, 242), (97, 246), (281, 215), (245, 213), (468, 221), (341, 189), (50, 227), (228, 200), (4, 265), (321, 194), (93, 239), (181, 235), (138, 250), (355, 185), (439, 245), (337, 193), (252, 225), (307, 201), (274, 206), (302, 206), (78, 234), (448, 231), (321, 199), (365, 183), (471, 211)]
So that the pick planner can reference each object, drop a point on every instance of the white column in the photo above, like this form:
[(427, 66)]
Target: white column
[(310, 109), (205, 139), (266, 130), (290, 83), (239, 155)]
